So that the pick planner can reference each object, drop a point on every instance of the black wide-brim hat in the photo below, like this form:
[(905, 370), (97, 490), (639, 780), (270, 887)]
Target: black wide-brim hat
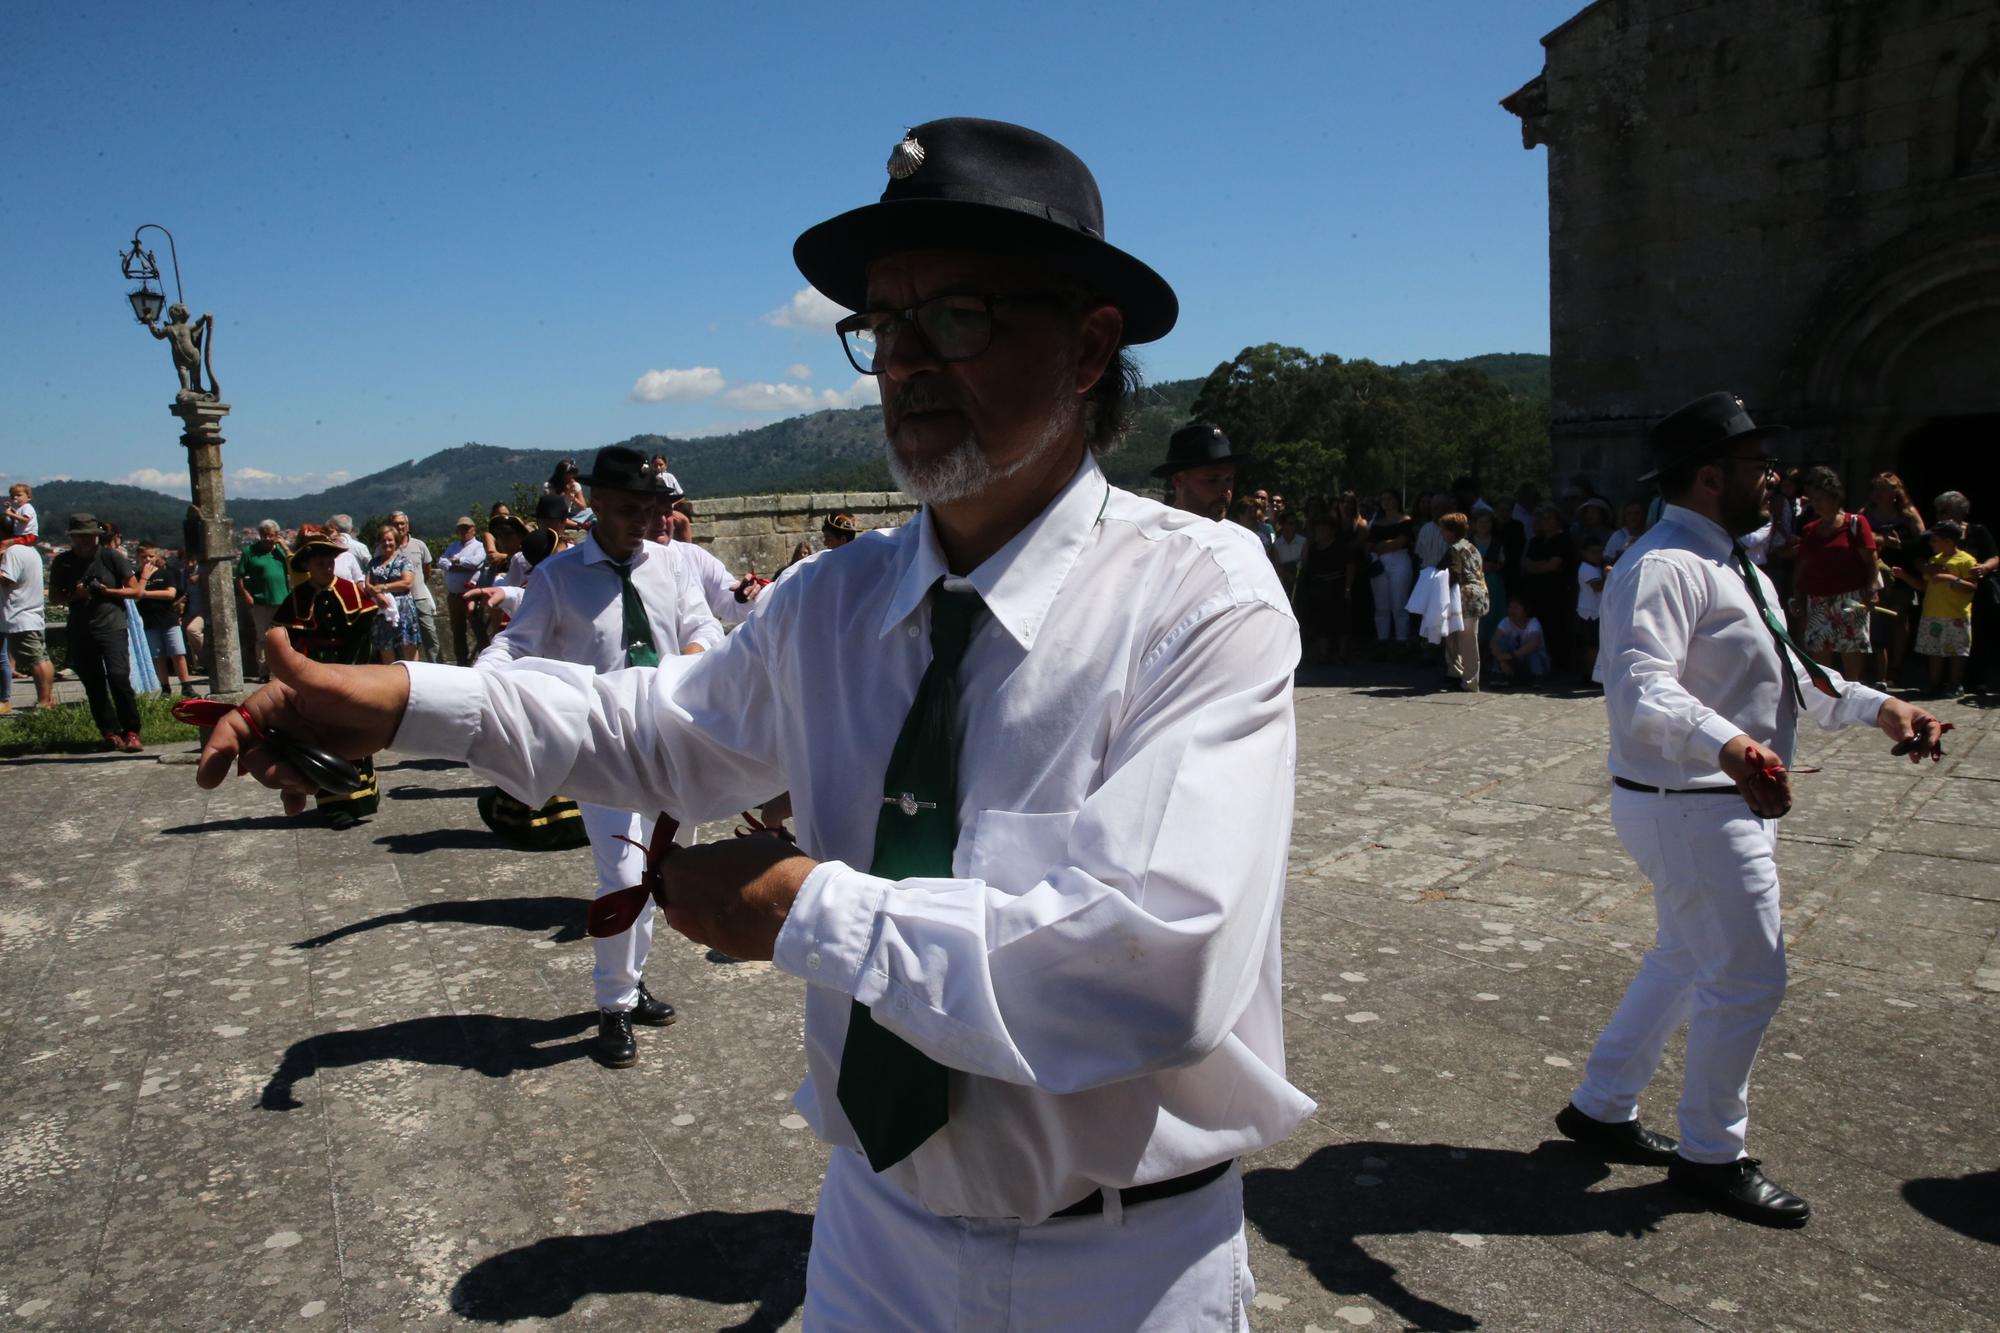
[(995, 188), (620, 467), (1701, 429), (1196, 446), (315, 546)]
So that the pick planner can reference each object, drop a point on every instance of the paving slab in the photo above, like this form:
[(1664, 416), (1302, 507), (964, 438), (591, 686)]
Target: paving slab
[(256, 1072)]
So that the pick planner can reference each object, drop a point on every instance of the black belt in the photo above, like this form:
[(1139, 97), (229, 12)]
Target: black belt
[(1093, 1202), (1630, 785)]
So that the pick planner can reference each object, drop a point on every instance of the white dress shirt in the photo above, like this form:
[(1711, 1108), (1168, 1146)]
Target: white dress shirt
[(461, 562), (1689, 664), (347, 566), (1103, 962), (573, 610), (718, 585), (1430, 546)]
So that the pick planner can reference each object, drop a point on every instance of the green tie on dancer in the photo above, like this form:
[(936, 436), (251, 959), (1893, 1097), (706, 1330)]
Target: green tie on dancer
[(640, 649), (894, 1095), (1787, 649)]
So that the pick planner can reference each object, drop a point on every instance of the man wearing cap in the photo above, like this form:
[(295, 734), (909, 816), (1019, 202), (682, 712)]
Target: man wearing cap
[(1704, 689), (329, 619), (461, 563), (613, 600), (95, 580), (1043, 1013), (1201, 470)]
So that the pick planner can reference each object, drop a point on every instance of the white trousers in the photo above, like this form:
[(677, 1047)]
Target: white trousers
[(621, 959), (1391, 589), (880, 1263), (1718, 964)]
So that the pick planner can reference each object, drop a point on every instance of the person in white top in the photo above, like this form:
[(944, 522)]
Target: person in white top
[(22, 525), (1704, 689), (577, 609), (23, 624), (730, 599), (667, 479), (341, 526), (461, 563), (1088, 969)]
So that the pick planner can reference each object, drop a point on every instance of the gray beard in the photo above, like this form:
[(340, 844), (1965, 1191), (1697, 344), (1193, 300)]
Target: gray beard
[(965, 472)]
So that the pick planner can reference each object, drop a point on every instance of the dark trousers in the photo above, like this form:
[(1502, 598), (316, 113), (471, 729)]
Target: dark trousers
[(1982, 673), (102, 661)]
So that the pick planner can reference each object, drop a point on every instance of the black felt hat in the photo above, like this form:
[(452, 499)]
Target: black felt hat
[(985, 185), (620, 467), (1702, 429), (313, 546), (1196, 446)]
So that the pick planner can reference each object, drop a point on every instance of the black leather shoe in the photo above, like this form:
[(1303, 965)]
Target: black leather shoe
[(1627, 1141), (651, 1010), (1740, 1189), (614, 1045)]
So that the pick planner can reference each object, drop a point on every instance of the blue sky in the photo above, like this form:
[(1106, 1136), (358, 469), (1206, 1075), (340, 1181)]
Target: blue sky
[(555, 226)]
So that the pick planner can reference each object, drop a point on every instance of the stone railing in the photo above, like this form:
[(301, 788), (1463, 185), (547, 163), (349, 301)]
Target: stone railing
[(743, 530)]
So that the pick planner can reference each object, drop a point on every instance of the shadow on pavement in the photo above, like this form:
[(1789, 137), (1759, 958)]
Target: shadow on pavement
[(1968, 1204), (1319, 1209), (495, 1047), (565, 916), (431, 793), (720, 1258), (442, 840), (244, 824), (419, 766)]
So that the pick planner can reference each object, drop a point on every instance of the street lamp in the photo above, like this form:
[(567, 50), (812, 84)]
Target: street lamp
[(206, 531), (142, 268)]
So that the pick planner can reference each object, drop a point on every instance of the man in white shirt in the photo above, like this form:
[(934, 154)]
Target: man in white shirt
[(719, 588), (341, 526), (23, 625), (1043, 1011), (611, 601), (1704, 688), (461, 563)]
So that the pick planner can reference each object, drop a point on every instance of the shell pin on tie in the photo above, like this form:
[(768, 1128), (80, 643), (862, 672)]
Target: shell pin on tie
[(905, 158)]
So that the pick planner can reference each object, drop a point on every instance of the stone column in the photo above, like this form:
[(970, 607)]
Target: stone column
[(211, 538)]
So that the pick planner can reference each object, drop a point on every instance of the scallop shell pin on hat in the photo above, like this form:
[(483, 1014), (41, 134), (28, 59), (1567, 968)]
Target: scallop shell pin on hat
[(905, 158)]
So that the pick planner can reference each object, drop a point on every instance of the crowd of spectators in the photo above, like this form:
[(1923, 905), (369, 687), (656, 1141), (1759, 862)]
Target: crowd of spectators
[(1863, 590)]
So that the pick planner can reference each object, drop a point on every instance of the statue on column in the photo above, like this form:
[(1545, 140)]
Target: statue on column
[(191, 345)]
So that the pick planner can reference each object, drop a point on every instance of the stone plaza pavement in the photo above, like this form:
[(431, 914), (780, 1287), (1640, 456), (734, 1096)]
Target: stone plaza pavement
[(258, 1074)]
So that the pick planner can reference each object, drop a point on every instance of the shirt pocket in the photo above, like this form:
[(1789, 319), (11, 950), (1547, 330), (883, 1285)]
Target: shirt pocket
[(1012, 851)]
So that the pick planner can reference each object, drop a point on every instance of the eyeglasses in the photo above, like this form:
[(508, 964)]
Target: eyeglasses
[(1767, 466), (950, 328)]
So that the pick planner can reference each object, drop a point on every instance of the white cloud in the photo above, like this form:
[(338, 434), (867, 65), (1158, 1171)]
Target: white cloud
[(154, 479), (677, 386), (248, 483), (862, 393), (806, 310), (799, 370), (759, 397)]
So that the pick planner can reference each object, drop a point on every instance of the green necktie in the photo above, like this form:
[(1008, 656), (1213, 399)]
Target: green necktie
[(1786, 648), (894, 1095), (639, 647)]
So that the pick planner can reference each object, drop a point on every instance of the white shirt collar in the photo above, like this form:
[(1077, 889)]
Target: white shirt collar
[(1709, 536), (1020, 580)]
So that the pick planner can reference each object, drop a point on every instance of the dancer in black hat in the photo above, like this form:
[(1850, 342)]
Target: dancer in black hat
[(1704, 688), (1042, 1006), (1201, 469)]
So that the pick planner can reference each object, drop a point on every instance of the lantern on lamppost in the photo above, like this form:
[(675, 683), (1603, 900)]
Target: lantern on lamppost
[(140, 267), (206, 531)]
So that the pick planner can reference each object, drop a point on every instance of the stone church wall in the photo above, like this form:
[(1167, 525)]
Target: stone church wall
[(762, 529)]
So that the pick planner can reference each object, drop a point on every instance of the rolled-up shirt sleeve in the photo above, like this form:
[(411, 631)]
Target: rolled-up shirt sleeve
[(1650, 614), (1140, 947)]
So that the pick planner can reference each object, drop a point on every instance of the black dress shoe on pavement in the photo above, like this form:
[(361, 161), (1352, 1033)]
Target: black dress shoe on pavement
[(1627, 1141), (614, 1045), (651, 1010), (1740, 1189)]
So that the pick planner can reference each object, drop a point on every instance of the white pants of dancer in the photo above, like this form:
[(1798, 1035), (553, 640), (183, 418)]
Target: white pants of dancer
[(1718, 963), (1391, 588), (621, 959), (880, 1263)]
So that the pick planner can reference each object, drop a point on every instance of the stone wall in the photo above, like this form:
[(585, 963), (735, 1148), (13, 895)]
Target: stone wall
[(1798, 200), (761, 530)]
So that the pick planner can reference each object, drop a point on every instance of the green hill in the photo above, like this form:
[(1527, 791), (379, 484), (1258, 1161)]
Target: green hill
[(821, 451)]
